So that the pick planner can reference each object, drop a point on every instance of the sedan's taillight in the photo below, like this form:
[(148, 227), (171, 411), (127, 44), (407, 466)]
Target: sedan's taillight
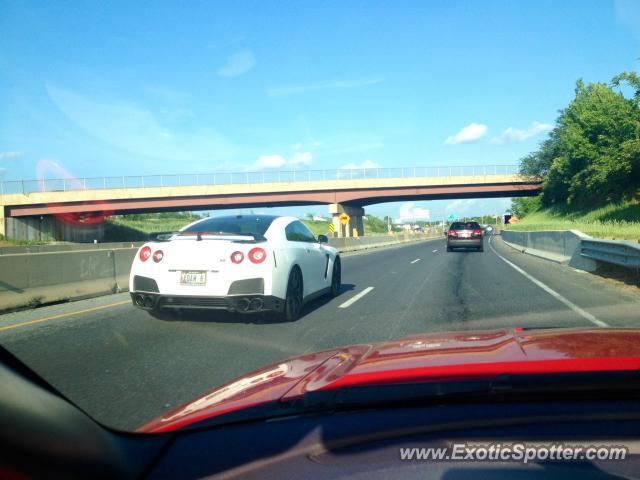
[(477, 232), (145, 253), (158, 255), (257, 255), (237, 257), (452, 233)]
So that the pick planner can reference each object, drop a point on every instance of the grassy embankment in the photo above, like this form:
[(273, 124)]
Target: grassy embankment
[(614, 222), (138, 227)]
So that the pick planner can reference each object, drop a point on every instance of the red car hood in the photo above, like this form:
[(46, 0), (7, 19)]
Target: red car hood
[(434, 356)]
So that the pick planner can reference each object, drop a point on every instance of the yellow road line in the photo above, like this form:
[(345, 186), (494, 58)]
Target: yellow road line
[(62, 315)]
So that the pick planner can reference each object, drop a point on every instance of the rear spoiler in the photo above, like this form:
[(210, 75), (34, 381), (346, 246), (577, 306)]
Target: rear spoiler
[(166, 236)]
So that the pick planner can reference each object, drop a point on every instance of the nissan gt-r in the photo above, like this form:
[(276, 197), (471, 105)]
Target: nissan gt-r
[(238, 263)]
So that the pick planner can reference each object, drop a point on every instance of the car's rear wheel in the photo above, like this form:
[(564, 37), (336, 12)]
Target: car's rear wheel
[(336, 277), (293, 302)]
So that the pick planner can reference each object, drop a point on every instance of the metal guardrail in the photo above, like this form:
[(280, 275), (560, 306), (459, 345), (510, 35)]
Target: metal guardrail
[(231, 178), (611, 251)]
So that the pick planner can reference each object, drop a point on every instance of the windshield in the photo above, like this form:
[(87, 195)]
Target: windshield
[(207, 204), (464, 226)]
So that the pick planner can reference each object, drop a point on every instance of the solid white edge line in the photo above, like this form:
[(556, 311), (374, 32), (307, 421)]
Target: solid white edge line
[(355, 298), (416, 260), (551, 291)]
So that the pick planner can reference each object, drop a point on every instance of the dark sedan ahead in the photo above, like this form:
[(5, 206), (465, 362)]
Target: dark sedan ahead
[(464, 235)]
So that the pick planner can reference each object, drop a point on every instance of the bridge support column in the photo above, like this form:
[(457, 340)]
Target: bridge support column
[(356, 213)]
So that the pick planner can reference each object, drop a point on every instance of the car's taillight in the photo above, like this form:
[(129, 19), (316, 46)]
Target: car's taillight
[(257, 255), (157, 255), (145, 253), (452, 233), (477, 232), (237, 257)]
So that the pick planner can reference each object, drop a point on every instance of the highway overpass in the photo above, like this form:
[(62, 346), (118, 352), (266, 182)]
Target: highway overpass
[(64, 208)]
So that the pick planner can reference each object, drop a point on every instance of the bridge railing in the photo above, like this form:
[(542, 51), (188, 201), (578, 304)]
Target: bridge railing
[(231, 178)]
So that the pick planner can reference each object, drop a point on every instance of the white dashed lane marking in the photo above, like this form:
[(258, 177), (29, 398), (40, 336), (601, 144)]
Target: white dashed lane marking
[(355, 298)]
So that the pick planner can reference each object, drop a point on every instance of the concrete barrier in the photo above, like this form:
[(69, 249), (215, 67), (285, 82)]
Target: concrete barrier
[(66, 247), (33, 279), (36, 279), (558, 246)]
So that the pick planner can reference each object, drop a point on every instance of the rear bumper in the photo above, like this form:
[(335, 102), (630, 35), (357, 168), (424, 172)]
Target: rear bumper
[(250, 303), (464, 242)]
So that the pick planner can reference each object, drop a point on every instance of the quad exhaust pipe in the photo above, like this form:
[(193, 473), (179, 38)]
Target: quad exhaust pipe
[(250, 305), (143, 301)]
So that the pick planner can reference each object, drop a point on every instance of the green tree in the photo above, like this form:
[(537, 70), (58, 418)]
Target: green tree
[(592, 156), (523, 206)]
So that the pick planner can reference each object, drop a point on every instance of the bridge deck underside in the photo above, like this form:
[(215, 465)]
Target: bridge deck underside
[(357, 197)]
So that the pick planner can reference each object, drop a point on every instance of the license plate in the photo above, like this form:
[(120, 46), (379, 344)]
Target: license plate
[(464, 235), (193, 278)]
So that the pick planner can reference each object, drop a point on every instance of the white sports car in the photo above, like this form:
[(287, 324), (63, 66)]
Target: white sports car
[(239, 263)]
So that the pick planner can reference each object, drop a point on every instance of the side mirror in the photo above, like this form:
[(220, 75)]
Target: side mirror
[(323, 239)]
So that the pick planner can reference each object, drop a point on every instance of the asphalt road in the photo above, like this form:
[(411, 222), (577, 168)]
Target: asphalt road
[(124, 367)]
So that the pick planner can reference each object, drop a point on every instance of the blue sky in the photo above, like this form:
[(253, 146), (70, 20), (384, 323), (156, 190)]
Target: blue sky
[(129, 88)]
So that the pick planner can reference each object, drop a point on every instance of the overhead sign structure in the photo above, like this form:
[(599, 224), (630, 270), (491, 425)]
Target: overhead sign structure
[(452, 217), (344, 218)]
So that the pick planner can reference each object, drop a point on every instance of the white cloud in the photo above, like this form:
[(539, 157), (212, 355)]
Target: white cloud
[(461, 206), (366, 164), (301, 158), (270, 161), (516, 135), (409, 212), (470, 133), (238, 64), (314, 87), (10, 155)]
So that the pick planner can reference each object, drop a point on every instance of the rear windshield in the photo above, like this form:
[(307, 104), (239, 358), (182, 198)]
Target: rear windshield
[(254, 225), (464, 226)]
